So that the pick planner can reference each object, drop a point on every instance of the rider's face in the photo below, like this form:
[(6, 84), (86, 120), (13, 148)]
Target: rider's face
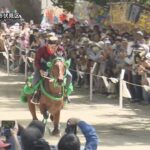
[(53, 47)]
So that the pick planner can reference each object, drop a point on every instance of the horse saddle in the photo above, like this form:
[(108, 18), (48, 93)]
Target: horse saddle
[(29, 90)]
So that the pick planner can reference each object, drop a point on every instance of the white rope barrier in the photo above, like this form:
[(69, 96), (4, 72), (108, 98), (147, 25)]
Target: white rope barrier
[(114, 80), (25, 59)]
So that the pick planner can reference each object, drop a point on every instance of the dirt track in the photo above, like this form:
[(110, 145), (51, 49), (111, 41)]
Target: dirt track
[(125, 129)]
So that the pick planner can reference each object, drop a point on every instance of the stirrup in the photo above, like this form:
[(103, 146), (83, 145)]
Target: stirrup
[(33, 101)]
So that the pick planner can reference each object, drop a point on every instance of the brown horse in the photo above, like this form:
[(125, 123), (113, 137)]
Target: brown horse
[(52, 93)]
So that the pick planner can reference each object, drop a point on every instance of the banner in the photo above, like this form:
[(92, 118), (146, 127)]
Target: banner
[(92, 12), (118, 12), (134, 13), (51, 15), (45, 4), (144, 21), (81, 10)]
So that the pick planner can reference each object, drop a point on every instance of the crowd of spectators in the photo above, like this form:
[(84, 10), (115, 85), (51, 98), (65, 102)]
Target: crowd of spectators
[(85, 44), (111, 49), (32, 137)]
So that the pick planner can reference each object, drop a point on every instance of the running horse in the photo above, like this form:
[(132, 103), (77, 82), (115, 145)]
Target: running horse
[(52, 92)]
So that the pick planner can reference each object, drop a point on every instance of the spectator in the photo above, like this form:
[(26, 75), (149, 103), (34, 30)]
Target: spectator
[(12, 142), (33, 39), (71, 142), (32, 137)]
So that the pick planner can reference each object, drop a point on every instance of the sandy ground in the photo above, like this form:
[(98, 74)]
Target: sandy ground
[(118, 129)]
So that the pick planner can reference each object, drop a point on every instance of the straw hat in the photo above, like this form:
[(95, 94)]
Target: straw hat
[(52, 37)]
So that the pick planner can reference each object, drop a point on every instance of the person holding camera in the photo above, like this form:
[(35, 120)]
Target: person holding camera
[(9, 130), (70, 140), (32, 137)]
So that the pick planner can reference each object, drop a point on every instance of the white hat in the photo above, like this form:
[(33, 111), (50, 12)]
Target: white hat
[(53, 38), (144, 47), (140, 33), (16, 24), (107, 41), (90, 42), (84, 40), (95, 49), (51, 34), (100, 44)]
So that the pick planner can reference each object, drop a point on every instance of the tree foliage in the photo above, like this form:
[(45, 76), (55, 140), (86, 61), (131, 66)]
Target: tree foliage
[(146, 2), (69, 4)]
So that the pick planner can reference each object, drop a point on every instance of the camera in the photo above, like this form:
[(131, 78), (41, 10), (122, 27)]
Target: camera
[(71, 128), (6, 125)]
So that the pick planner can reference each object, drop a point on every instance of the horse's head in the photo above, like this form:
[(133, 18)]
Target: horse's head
[(58, 69)]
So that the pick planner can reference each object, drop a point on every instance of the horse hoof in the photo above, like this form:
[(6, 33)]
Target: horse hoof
[(56, 132), (46, 115), (35, 119)]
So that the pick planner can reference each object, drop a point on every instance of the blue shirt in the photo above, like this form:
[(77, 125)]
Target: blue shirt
[(89, 132)]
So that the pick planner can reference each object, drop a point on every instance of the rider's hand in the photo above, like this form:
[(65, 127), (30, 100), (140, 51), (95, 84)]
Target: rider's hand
[(73, 121), (43, 73)]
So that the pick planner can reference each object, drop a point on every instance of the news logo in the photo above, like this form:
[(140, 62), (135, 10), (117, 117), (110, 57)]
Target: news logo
[(5, 16)]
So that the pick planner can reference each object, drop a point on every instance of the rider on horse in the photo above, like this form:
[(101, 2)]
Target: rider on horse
[(43, 55)]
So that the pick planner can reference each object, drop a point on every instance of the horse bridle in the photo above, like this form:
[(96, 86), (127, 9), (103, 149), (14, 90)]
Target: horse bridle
[(50, 66), (51, 78)]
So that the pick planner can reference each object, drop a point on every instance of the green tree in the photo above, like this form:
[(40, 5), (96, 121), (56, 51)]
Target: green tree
[(69, 4), (146, 2)]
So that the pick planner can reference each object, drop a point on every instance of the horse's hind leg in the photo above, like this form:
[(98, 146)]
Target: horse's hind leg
[(51, 117), (32, 109), (56, 118)]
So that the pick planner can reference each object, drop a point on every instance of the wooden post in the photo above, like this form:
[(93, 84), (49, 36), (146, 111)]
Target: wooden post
[(91, 80), (7, 58), (120, 88)]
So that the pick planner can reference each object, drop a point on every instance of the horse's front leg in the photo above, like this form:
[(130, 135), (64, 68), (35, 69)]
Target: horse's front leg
[(56, 118), (32, 109)]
